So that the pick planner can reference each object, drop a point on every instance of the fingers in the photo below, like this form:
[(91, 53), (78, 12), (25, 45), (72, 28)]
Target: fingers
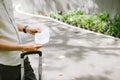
[(33, 30), (38, 46), (38, 29), (31, 47)]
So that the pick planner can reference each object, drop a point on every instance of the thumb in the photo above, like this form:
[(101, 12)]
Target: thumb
[(38, 45)]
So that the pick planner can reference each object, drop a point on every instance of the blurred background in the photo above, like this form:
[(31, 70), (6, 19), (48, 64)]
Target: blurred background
[(89, 6)]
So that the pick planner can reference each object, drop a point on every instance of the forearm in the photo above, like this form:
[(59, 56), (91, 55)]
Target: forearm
[(9, 47), (28, 29), (20, 27), (20, 47)]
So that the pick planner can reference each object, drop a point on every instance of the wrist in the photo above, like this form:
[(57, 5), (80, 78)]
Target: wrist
[(25, 29), (20, 47)]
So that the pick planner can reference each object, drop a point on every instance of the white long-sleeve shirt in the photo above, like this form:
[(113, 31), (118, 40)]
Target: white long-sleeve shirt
[(8, 33)]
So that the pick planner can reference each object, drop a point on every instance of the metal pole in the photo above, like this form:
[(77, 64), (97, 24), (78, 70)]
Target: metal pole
[(40, 68), (22, 69)]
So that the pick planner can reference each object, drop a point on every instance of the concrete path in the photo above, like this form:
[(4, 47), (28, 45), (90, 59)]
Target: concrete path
[(74, 53)]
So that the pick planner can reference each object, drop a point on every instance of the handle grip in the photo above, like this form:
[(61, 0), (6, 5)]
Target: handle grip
[(31, 52)]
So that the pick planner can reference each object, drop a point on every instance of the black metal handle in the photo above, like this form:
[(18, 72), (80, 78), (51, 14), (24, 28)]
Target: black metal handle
[(31, 52)]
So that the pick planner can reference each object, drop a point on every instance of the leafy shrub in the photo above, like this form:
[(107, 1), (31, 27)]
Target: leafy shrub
[(100, 22)]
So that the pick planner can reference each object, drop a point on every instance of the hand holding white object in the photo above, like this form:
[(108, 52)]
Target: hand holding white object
[(42, 37)]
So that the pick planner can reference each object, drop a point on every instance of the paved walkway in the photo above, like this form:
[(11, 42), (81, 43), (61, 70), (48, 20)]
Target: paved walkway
[(75, 54)]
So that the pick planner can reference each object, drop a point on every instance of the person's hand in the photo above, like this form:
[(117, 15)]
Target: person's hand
[(30, 47), (33, 30)]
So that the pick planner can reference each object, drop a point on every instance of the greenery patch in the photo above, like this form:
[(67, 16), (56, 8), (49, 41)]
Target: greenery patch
[(100, 22)]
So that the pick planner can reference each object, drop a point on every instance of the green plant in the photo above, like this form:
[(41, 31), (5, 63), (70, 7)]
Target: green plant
[(70, 14), (104, 16), (100, 22), (55, 15)]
